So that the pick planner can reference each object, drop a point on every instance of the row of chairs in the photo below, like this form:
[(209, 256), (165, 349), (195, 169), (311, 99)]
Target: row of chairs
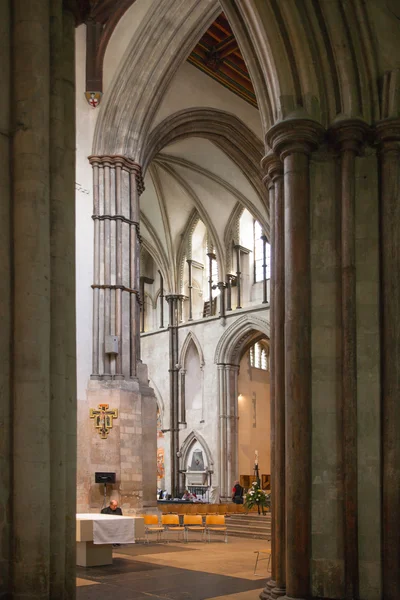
[(170, 524), (199, 508)]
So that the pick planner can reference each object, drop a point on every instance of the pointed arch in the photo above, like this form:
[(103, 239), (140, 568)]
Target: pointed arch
[(158, 396), (191, 337), (193, 437), (240, 333), (190, 226), (226, 131)]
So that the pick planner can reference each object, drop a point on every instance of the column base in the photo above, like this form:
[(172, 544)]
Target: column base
[(266, 593), (278, 592)]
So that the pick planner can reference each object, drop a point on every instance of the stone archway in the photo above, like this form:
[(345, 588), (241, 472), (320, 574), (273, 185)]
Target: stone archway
[(243, 332)]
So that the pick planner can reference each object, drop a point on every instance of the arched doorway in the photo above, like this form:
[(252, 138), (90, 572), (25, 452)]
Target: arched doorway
[(238, 338)]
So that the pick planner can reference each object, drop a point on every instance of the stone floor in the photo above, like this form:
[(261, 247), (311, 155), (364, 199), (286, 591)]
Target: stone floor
[(177, 571)]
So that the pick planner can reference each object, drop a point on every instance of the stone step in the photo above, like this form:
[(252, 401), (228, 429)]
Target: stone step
[(246, 527), (249, 521), (249, 535), (249, 526)]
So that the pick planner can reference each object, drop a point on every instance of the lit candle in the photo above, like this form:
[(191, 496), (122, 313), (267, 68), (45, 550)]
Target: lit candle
[(256, 458)]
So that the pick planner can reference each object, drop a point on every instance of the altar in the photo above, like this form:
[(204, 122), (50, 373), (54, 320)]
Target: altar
[(96, 533)]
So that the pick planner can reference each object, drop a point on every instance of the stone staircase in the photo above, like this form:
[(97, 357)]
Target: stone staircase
[(250, 525)]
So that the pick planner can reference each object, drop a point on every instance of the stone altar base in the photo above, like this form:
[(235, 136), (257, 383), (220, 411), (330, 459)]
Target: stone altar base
[(129, 449)]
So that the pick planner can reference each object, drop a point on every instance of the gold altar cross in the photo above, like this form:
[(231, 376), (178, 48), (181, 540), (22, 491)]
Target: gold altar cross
[(103, 419)]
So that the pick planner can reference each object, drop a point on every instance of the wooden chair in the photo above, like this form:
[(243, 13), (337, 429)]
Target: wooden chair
[(151, 525), (171, 524), (216, 523), (258, 559), (194, 523)]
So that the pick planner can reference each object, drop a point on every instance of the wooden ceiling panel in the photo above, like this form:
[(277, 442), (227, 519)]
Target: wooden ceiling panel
[(218, 55)]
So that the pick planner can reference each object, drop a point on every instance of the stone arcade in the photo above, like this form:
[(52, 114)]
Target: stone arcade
[(139, 199)]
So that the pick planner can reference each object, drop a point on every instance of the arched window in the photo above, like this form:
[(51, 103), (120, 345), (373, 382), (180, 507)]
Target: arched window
[(259, 356)]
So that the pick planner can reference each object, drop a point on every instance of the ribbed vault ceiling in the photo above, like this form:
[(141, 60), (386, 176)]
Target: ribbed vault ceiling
[(193, 177)]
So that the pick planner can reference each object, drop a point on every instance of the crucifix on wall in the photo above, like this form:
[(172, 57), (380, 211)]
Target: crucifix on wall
[(103, 419)]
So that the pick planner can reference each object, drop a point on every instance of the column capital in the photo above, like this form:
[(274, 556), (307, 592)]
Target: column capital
[(272, 165), (388, 135), (170, 297), (350, 134), (125, 163), (295, 136), (221, 285)]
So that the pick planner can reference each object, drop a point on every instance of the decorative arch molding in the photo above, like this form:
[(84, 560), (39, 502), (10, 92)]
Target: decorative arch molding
[(296, 44), (243, 199), (191, 224), (286, 48), (193, 437), (191, 337), (158, 258), (231, 230), (126, 113), (229, 347), (204, 216)]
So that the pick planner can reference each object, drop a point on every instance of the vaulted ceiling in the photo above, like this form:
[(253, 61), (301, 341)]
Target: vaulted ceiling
[(217, 53)]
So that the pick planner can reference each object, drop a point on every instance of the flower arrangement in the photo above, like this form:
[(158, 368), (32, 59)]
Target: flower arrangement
[(257, 497)]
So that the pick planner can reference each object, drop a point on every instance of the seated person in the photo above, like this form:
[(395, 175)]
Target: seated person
[(113, 509), (237, 493), (187, 495)]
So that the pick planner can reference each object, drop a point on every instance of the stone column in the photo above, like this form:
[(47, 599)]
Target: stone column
[(229, 292), (349, 136), (388, 133), (119, 378), (161, 298), (117, 185), (190, 287), (293, 141), (238, 276), (5, 298), (173, 302), (265, 240), (275, 172), (221, 286), (37, 315), (183, 395), (271, 582), (228, 428)]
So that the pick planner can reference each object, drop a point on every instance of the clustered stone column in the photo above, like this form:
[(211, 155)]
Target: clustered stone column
[(292, 141), (117, 185), (275, 176), (228, 424), (271, 582), (173, 303), (349, 136), (388, 134), (37, 315)]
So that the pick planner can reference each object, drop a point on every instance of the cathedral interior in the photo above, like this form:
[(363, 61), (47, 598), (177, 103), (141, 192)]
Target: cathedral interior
[(200, 285)]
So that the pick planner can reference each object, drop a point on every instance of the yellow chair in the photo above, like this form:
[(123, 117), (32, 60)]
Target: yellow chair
[(216, 523), (151, 525), (194, 523), (258, 559), (171, 523)]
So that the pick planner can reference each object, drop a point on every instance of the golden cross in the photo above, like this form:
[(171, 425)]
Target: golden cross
[(103, 419)]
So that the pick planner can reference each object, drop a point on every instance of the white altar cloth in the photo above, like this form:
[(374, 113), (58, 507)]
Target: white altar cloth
[(112, 529)]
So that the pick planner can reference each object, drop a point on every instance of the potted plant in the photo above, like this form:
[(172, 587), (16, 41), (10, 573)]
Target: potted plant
[(257, 496)]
